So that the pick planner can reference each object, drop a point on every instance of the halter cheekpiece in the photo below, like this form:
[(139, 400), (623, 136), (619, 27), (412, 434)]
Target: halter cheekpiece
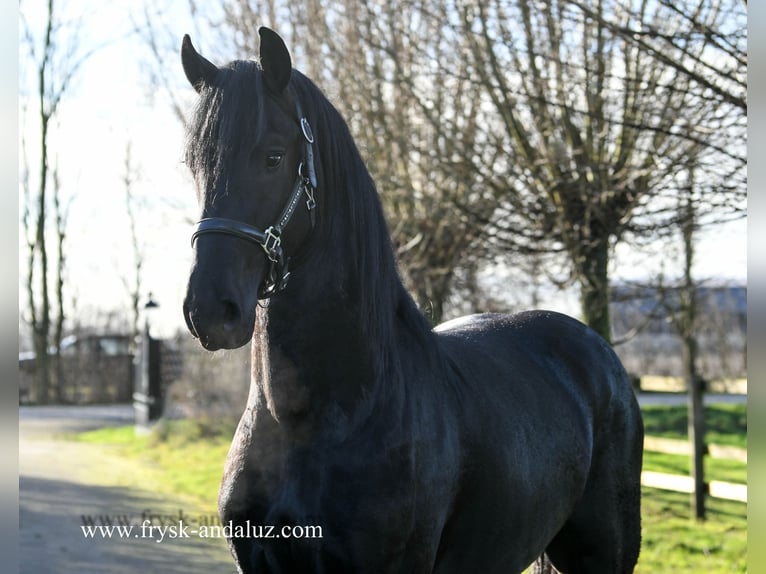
[(270, 239)]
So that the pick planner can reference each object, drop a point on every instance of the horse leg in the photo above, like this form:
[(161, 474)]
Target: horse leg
[(593, 542), (603, 534)]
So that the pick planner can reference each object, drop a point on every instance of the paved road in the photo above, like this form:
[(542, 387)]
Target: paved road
[(61, 480)]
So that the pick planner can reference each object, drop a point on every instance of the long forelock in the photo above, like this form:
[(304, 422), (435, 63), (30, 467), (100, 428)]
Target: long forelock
[(229, 114)]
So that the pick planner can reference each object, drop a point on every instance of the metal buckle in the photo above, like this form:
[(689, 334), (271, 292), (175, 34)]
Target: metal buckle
[(272, 244), (310, 202)]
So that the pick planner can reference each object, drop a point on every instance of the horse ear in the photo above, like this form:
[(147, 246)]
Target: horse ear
[(199, 71), (275, 60)]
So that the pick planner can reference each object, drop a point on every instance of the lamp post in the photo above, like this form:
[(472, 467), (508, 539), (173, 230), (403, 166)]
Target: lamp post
[(149, 307), (147, 395)]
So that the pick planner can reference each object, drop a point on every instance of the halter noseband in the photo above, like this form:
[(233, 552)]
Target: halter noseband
[(270, 239)]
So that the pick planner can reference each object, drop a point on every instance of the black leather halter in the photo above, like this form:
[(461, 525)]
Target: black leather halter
[(270, 239)]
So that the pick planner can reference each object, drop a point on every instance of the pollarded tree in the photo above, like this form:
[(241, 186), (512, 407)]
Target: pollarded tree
[(596, 126), (543, 130)]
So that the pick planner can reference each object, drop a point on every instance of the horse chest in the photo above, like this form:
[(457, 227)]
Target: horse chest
[(373, 503), (318, 478)]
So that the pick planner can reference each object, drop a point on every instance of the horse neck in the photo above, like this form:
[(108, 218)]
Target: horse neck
[(328, 343), (314, 361)]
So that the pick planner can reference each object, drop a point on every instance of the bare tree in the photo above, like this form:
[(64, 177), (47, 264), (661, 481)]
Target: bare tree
[(596, 128), (55, 59), (401, 80), (61, 215), (685, 321), (550, 131), (684, 313), (721, 69), (152, 26), (133, 283)]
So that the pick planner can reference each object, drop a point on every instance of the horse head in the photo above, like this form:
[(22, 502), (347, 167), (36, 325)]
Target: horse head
[(250, 150)]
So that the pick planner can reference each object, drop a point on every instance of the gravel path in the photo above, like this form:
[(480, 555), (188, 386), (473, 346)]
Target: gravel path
[(60, 481)]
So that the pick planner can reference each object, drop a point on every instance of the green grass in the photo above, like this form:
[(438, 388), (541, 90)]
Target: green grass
[(186, 458), (183, 457), (673, 542), (715, 469), (724, 424)]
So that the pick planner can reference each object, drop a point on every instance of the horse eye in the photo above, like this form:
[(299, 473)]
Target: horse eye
[(274, 159)]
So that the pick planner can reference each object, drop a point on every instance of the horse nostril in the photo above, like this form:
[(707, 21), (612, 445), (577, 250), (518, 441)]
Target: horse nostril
[(231, 314)]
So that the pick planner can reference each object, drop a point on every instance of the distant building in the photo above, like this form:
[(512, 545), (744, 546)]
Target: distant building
[(640, 318)]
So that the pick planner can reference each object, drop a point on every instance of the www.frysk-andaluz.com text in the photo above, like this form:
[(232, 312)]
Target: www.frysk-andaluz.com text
[(177, 526)]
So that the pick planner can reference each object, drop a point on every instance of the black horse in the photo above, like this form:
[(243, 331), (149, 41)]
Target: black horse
[(473, 447)]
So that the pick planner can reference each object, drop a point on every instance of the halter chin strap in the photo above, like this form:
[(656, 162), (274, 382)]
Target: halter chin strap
[(270, 239)]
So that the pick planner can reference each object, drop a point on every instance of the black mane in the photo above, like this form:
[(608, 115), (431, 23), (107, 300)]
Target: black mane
[(353, 223)]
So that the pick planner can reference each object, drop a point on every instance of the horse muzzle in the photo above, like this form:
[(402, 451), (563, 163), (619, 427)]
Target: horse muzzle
[(219, 313), (221, 328)]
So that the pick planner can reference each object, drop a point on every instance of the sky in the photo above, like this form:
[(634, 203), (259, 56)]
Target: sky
[(112, 103)]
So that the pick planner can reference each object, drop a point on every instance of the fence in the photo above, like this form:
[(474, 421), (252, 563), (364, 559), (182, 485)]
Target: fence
[(94, 370), (680, 483), (84, 380)]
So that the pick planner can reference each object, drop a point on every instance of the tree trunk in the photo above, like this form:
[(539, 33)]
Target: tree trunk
[(694, 383), (593, 275), (56, 59), (42, 367), (42, 325), (696, 426), (58, 333), (41, 319)]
